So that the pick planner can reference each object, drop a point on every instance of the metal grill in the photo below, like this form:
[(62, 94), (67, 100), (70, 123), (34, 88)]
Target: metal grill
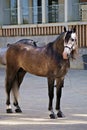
[(56, 13), (12, 31), (80, 12), (33, 15)]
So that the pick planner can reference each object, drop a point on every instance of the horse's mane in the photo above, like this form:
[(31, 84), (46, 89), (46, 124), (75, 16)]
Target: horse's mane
[(50, 44), (60, 36)]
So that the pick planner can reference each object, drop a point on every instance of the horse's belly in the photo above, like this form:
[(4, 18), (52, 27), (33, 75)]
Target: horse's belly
[(39, 70)]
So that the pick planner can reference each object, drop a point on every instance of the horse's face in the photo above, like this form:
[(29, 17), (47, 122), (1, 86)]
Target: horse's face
[(70, 46)]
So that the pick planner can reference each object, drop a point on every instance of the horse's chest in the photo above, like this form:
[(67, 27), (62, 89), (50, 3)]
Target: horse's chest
[(61, 69)]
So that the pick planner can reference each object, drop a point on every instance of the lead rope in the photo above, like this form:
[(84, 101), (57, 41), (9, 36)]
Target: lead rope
[(73, 89), (79, 56)]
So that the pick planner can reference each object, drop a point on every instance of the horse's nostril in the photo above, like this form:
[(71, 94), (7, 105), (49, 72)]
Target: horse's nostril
[(65, 55), (68, 55)]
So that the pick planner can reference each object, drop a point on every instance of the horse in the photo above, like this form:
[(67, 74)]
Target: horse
[(3, 50), (51, 61)]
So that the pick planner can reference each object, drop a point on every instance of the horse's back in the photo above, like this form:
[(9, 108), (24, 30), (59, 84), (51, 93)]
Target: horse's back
[(27, 42)]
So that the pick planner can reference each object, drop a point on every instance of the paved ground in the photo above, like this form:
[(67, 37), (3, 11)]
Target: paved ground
[(34, 103)]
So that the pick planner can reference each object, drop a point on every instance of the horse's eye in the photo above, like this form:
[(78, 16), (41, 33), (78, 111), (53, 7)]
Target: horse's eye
[(72, 39)]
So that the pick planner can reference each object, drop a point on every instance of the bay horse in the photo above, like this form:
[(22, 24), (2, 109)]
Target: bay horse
[(51, 61), (3, 50)]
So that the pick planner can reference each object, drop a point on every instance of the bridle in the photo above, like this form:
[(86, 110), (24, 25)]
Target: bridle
[(69, 47)]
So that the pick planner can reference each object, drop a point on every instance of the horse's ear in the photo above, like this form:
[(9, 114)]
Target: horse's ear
[(74, 29), (64, 29), (8, 44)]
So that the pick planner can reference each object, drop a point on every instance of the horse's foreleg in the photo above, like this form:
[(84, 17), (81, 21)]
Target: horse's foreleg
[(58, 97), (51, 96), (15, 89)]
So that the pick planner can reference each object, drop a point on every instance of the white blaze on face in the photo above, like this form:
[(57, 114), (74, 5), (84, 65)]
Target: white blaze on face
[(73, 36), (71, 45)]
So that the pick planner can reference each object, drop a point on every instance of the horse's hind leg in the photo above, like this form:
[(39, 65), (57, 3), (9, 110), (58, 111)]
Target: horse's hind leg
[(15, 92), (15, 89), (58, 97), (51, 96), (10, 75)]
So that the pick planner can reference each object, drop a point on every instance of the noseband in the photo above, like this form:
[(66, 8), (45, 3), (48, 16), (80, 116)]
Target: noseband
[(70, 48)]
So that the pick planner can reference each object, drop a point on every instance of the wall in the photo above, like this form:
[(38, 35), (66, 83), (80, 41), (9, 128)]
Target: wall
[(42, 40), (73, 13), (46, 30), (44, 34), (1, 12)]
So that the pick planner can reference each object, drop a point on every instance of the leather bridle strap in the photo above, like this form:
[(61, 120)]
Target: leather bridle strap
[(70, 48)]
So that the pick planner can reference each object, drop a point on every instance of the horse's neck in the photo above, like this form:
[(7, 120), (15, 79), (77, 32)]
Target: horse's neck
[(59, 45)]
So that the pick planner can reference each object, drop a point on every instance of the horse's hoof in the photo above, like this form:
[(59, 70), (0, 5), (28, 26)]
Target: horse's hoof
[(9, 110), (52, 116), (18, 110), (60, 114)]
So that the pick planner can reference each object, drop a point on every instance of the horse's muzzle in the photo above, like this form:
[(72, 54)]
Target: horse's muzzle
[(65, 56)]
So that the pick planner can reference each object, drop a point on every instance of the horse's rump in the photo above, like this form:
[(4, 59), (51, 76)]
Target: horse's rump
[(3, 50)]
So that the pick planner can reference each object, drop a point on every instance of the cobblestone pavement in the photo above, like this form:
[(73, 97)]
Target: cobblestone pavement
[(33, 100)]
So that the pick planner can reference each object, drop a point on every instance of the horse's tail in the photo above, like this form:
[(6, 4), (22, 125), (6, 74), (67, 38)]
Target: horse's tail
[(3, 55)]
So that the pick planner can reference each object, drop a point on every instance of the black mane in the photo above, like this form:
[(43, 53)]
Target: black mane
[(50, 44)]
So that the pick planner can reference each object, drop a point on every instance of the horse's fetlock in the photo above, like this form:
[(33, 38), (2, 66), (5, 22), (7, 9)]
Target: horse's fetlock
[(15, 104), (52, 114), (60, 114), (8, 109)]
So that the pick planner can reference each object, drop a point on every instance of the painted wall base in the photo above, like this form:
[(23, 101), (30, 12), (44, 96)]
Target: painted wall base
[(42, 40)]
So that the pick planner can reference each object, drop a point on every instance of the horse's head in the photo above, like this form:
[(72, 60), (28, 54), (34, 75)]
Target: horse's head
[(70, 46)]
